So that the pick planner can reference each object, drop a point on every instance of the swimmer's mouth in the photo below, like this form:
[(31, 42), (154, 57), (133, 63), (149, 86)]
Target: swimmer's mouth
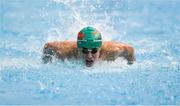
[(89, 63)]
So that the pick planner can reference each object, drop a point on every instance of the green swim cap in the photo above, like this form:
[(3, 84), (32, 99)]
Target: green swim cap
[(89, 38)]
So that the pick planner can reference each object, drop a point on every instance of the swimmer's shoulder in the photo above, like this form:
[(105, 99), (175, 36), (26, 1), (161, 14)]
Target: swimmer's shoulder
[(112, 46), (61, 44)]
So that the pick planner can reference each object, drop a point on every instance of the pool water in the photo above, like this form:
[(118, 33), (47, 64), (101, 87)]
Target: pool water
[(151, 26)]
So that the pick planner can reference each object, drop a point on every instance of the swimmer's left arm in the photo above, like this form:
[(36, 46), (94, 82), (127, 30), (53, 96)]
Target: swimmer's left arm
[(113, 50), (129, 54)]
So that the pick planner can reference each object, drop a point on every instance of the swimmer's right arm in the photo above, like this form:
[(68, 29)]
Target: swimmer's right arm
[(54, 49), (48, 53)]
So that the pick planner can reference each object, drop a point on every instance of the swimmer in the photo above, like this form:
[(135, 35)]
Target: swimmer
[(89, 47)]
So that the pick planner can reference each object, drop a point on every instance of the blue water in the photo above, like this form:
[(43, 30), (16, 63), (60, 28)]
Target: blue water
[(151, 26)]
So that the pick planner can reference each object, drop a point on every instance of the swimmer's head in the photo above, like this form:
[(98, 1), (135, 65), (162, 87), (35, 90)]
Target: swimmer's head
[(89, 37), (89, 41)]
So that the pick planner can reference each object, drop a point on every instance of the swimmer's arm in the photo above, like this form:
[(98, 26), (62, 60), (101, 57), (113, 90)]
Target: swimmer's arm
[(127, 52), (59, 50), (50, 51)]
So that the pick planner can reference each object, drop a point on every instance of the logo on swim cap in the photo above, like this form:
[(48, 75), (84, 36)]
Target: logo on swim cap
[(80, 35), (89, 37)]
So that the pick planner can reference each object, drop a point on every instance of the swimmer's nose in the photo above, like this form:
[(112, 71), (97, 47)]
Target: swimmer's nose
[(89, 55)]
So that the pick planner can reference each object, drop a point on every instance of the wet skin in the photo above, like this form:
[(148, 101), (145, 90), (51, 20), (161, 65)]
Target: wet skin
[(109, 51)]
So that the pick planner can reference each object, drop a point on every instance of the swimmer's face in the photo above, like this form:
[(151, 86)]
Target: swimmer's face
[(90, 56)]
